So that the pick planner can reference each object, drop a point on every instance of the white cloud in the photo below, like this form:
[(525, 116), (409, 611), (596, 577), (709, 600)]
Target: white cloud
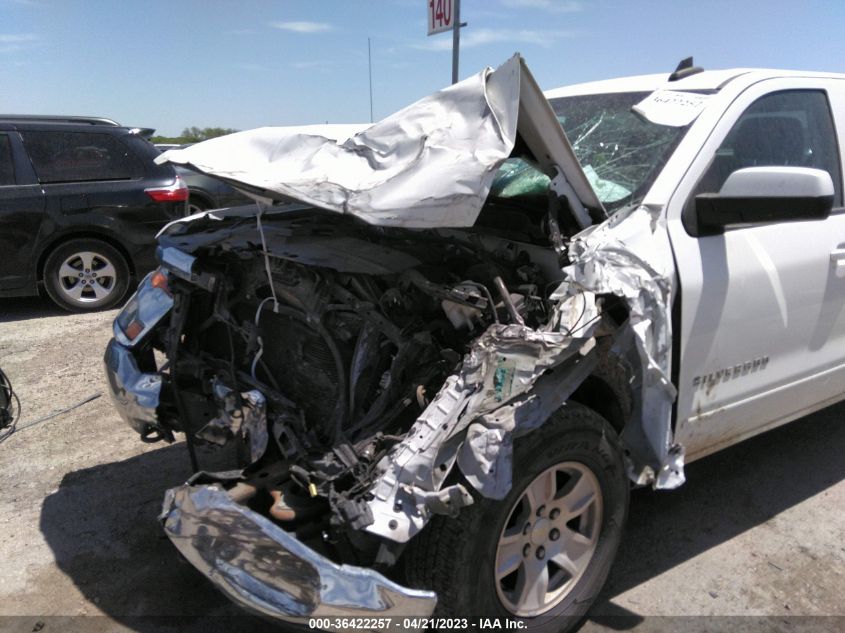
[(312, 63), (17, 38), (14, 42), (479, 37), (303, 27), (553, 6)]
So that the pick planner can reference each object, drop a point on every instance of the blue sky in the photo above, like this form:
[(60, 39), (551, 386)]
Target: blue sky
[(170, 64)]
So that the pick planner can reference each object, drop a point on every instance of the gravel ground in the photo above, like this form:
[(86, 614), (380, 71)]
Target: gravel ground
[(757, 530)]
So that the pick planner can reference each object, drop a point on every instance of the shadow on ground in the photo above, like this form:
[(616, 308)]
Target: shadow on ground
[(725, 494), (25, 308), (101, 524)]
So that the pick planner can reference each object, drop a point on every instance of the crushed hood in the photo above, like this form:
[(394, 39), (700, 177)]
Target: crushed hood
[(428, 165)]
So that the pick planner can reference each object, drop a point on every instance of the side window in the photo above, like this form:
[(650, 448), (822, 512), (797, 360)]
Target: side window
[(7, 169), (788, 128), (79, 156)]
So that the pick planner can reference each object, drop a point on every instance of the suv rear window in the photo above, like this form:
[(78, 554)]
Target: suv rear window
[(79, 156)]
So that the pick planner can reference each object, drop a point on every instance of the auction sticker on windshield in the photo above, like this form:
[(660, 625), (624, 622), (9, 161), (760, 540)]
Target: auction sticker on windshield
[(671, 107)]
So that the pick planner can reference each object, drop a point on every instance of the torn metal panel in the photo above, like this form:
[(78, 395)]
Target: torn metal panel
[(135, 393), (428, 165), (503, 364), (268, 571), (486, 455), (630, 256), (433, 146), (240, 417)]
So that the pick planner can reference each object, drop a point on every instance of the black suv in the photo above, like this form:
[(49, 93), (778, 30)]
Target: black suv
[(81, 201)]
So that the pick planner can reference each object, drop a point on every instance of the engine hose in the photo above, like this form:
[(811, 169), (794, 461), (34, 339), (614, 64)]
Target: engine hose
[(10, 407)]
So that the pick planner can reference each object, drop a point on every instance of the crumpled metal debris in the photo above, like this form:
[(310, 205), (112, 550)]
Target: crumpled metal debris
[(503, 364), (630, 256), (429, 165), (247, 419)]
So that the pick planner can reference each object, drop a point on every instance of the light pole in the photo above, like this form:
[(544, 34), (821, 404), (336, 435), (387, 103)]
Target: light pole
[(370, 69), (456, 40)]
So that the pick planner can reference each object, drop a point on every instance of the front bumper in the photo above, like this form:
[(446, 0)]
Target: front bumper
[(268, 571), (136, 395), (255, 563)]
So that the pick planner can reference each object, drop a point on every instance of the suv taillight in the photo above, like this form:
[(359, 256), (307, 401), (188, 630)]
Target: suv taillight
[(177, 192)]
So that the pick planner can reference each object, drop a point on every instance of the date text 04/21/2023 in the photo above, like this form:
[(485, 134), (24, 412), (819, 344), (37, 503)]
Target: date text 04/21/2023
[(383, 624)]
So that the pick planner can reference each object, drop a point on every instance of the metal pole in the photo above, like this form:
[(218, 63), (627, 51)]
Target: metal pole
[(370, 66), (456, 40)]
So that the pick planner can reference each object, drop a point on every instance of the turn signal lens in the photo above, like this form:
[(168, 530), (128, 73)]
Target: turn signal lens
[(134, 329), (159, 280)]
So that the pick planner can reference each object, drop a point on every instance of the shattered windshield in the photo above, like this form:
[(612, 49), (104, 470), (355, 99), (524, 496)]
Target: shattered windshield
[(620, 151)]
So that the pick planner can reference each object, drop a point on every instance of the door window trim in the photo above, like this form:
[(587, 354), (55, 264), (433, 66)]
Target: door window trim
[(761, 89)]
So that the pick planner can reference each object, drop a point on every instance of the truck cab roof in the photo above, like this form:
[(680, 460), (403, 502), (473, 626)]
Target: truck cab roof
[(705, 81)]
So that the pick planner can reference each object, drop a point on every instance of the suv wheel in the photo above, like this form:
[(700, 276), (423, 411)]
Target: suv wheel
[(84, 275), (196, 205), (541, 555)]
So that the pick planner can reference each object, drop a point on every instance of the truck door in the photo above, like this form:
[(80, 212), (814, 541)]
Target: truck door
[(762, 326), (21, 214)]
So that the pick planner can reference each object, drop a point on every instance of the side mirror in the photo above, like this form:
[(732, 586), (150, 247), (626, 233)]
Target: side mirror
[(758, 195)]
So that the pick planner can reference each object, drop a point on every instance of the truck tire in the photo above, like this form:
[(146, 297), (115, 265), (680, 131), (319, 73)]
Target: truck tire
[(86, 274), (542, 554)]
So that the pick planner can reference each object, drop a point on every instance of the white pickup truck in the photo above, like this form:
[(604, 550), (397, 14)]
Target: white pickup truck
[(445, 346)]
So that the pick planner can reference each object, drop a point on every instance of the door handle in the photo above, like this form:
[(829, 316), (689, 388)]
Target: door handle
[(837, 258)]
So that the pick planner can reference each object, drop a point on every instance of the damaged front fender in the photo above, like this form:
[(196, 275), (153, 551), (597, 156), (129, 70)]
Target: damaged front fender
[(630, 256), (472, 420), (504, 388)]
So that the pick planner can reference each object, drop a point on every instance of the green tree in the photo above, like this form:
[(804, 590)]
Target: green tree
[(194, 135)]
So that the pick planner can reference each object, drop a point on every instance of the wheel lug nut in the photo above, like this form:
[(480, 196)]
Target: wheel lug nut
[(87, 270), (80, 274), (554, 534), (541, 510), (93, 274), (541, 552), (527, 527), (526, 550), (554, 514)]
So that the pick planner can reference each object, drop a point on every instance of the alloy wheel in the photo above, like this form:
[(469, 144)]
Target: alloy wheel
[(87, 277), (548, 540)]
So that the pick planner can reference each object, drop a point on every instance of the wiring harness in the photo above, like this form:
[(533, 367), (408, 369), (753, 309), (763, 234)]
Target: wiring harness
[(10, 407)]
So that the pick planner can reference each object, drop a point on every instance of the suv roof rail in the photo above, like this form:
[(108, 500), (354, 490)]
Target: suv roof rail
[(86, 120)]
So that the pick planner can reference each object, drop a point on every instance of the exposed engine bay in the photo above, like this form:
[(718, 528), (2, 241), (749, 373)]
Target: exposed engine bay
[(319, 360)]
